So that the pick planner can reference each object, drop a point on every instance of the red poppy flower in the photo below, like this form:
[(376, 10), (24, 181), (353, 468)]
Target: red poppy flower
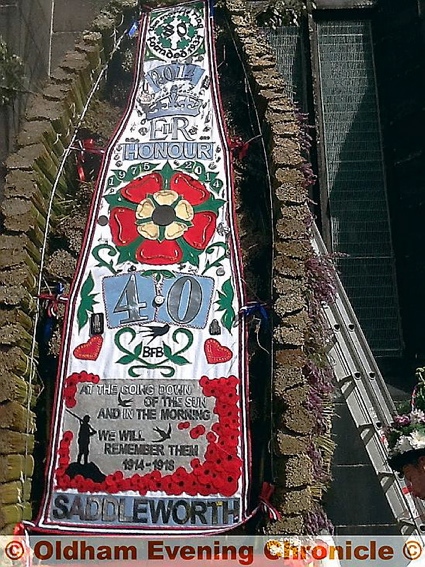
[(180, 473), (197, 431), (203, 380), (71, 380), (211, 437), (192, 489), (205, 489), (229, 489), (71, 390), (158, 223)]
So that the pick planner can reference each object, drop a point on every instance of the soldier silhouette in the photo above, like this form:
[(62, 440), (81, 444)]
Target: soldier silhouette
[(84, 434)]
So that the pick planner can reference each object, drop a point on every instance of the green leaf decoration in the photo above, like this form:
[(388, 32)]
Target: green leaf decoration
[(216, 185), (128, 253), (211, 250), (191, 32), (149, 55), (208, 177), (190, 254), (115, 200), (111, 252), (188, 166), (167, 351), (126, 359), (211, 205), (87, 302), (139, 364), (167, 274), (113, 181), (224, 302), (179, 360), (157, 274), (182, 43), (200, 50), (138, 350), (167, 172), (188, 336)]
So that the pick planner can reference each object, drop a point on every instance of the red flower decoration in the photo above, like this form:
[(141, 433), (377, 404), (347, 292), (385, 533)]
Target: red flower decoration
[(155, 222), (218, 472), (71, 382)]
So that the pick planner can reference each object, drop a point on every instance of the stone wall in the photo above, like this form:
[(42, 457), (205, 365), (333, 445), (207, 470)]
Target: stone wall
[(32, 171), (300, 428)]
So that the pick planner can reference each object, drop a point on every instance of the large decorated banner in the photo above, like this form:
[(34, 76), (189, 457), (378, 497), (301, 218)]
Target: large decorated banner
[(150, 429)]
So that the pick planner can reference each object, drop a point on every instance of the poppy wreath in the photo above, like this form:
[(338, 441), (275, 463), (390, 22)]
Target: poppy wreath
[(217, 474), (64, 459), (164, 217), (71, 383)]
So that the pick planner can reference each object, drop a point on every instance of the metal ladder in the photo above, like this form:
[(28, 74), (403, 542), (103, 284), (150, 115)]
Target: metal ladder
[(368, 400)]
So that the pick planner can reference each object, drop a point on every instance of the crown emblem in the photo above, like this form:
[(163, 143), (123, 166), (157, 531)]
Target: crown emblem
[(174, 103)]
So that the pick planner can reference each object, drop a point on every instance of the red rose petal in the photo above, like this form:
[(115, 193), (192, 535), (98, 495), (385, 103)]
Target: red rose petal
[(202, 230), (122, 222), (189, 188), (138, 189), (158, 253)]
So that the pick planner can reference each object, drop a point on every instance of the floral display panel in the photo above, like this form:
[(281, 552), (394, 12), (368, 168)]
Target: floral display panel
[(149, 426)]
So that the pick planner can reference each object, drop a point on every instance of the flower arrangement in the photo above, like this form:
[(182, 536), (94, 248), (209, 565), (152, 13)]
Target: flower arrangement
[(406, 434)]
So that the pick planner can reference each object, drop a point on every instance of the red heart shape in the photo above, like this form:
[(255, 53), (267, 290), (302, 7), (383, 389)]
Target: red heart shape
[(215, 352), (89, 350)]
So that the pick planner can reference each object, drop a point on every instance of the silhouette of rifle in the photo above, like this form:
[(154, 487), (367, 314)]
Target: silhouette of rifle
[(80, 420)]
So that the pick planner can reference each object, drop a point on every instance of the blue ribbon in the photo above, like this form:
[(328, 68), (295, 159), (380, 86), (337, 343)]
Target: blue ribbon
[(257, 308), (133, 30)]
